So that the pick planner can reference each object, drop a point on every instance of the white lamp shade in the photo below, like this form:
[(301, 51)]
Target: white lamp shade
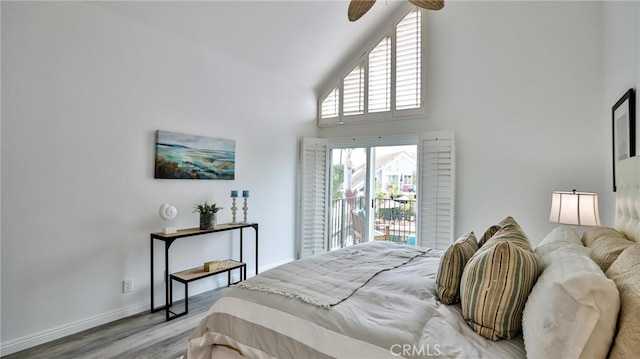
[(575, 208)]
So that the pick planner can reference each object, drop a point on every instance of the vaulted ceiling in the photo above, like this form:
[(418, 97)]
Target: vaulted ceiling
[(301, 40)]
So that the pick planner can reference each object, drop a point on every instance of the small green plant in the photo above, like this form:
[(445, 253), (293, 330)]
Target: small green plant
[(206, 208)]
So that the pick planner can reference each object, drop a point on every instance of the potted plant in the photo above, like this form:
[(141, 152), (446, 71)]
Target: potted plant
[(207, 214)]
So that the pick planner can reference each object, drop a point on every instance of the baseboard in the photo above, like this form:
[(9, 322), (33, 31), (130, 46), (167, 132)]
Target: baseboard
[(29, 341)]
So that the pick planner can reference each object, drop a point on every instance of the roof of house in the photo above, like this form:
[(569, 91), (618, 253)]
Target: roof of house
[(382, 161)]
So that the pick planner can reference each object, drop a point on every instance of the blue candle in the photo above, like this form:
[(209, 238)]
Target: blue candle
[(245, 193), (234, 193)]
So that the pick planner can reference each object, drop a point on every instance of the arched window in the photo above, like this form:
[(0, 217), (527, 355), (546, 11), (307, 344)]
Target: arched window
[(386, 82)]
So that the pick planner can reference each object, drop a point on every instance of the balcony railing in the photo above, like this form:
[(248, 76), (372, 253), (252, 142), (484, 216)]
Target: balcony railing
[(397, 215)]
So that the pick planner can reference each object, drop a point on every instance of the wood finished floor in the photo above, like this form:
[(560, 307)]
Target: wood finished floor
[(144, 335)]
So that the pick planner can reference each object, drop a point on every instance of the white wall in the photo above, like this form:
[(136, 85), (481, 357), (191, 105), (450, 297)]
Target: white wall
[(0, 182), (520, 84), (84, 91), (621, 72)]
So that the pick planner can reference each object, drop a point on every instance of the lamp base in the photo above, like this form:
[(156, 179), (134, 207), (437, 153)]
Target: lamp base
[(170, 230)]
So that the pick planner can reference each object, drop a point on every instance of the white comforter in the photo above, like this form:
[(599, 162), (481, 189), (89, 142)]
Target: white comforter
[(395, 314)]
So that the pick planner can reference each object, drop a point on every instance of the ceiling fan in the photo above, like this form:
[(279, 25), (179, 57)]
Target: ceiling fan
[(357, 8)]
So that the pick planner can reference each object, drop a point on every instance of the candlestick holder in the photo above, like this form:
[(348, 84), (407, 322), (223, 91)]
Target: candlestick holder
[(245, 209), (233, 210)]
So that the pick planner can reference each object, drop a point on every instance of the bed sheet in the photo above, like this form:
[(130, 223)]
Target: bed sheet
[(395, 314)]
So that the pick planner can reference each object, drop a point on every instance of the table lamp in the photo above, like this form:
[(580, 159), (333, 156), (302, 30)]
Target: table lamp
[(575, 208)]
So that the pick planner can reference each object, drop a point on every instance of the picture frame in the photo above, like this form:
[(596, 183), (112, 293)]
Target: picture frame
[(183, 156), (623, 126)]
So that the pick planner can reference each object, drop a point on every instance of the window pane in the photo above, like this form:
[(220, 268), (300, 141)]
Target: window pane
[(354, 92), (380, 77), (394, 203), (348, 188), (408, 62), (330, 104)]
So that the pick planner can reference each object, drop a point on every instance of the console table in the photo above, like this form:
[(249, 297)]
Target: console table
[(168, 240)]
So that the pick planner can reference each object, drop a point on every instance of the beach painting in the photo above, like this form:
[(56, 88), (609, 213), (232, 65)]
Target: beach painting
[(181, 156)]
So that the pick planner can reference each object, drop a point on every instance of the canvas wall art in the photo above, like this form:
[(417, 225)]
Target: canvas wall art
[(182, 156)]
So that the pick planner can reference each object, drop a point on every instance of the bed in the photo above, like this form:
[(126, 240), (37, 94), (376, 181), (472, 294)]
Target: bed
[(383, 300)]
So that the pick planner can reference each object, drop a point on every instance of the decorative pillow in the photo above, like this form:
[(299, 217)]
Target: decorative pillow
[(593, 234), (561, 237), (606, 245), (494, 287), (508, 220), (572, 309), (563, 234), (625, 272), (451, 266), (510, 232), (488, 234)]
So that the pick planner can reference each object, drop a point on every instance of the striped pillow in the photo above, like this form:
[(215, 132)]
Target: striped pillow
[(488, 234), (513, 233), (494, 287), (451, 266), (491, 231), (508, 220)]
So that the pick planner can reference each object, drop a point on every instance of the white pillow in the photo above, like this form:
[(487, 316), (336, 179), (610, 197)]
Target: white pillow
[(561, 237), (572, 309)]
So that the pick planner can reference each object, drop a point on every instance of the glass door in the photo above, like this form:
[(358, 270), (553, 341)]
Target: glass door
[(394, 204), (348, 197), (373, 195)]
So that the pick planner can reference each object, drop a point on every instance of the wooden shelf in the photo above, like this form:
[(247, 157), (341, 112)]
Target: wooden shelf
[(188, 232), (198, 272)]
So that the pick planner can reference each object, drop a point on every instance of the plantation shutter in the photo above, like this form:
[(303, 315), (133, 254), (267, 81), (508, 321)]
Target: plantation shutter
[(354, 92), (436, 154), (313, 206), (380, 77), (409, 61), (331, 104)]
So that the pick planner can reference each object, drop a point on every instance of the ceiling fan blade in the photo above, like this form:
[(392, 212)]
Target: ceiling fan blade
[(428, 4), (357, 8)]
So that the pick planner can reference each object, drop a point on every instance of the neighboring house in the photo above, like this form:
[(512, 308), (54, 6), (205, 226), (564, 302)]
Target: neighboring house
[(397, 169)]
